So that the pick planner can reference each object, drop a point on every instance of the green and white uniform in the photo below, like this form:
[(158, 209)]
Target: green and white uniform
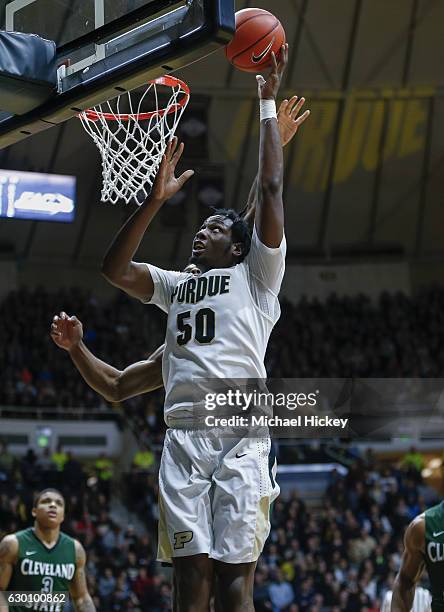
[(41, 569), (434, 554)]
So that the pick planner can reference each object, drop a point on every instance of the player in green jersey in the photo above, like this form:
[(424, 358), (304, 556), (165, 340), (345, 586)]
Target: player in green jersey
[(45, 561), (424, 546)]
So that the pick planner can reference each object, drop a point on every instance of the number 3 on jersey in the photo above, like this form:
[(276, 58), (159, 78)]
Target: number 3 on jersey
[(204, 326)]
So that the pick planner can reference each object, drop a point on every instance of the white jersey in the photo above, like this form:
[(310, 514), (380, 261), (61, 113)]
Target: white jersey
[(219, 322), (421, 603)]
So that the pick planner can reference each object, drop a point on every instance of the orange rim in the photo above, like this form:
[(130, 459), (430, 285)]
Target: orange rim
[(168, 81)]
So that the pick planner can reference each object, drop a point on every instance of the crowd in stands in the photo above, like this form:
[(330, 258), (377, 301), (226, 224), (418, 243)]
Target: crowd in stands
[(398, 336), (340, 558), (37, 373), (344, 557)]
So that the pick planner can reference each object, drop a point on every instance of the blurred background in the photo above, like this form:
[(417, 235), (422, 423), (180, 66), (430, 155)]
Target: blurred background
[(363, 297)]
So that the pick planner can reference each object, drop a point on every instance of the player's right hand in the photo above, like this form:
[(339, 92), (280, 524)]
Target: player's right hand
[(67, 332), (268, 89)]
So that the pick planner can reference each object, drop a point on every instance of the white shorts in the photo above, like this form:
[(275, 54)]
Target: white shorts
[(215, 495)]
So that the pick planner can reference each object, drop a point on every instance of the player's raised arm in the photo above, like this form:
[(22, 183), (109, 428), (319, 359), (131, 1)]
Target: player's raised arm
[(269, 219), (289, 121), (113, 384), (118, 266), (8, 557), (78, 588), (412, 565)]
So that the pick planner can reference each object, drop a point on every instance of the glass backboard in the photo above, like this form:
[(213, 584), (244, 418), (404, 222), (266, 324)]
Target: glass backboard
[(105, 47)]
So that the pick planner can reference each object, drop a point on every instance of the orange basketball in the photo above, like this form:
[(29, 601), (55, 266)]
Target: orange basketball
[(258, 33)]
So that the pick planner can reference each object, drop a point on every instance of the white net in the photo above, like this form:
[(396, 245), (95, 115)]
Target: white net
[(132, 143)]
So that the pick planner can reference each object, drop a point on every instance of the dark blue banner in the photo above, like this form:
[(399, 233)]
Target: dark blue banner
[(37, 196)]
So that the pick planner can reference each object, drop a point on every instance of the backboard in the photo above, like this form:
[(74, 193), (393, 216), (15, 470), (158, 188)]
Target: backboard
[(105, 47)]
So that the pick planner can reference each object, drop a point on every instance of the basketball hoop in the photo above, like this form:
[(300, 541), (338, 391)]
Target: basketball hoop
[(132, 144)]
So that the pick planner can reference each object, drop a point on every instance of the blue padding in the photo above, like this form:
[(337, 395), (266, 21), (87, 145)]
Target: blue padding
[(28, 71)]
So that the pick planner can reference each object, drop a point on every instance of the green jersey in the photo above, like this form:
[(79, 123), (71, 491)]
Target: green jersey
[(43, 570), (434, 554)]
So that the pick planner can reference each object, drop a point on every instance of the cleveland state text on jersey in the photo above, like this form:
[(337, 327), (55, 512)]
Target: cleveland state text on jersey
[(29, 567)]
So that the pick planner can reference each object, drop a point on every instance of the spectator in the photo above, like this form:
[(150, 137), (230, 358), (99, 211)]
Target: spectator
[(144, 459), (281, 592), (28, 468), (73, 472), (305, 593), (142, 584), (46, 470), (261, 595), (107, 584), (413, 462), (105, 471), (362, 547), (45, 463), (7, 463), (59, 457)]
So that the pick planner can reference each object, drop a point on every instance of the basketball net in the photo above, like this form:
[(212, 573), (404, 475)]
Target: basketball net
[(131, 144)]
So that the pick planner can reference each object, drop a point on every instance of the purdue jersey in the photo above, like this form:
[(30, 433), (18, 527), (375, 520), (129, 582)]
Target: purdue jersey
[(219, 323), (434, 554), (42, 569)]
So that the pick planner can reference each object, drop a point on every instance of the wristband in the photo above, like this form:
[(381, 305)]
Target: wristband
[(267, 109)]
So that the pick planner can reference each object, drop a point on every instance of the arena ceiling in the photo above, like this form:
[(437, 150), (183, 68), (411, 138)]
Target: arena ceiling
[(364, 175)]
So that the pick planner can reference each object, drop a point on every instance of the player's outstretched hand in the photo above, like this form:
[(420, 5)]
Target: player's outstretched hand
[(268, 89), (288, 120), (66, 331), (166, 184)]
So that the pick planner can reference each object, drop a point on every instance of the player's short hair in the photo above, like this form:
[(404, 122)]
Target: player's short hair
[(39, 494), (239, 230)]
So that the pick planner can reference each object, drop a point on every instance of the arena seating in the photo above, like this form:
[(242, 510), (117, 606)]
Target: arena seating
[(342, 557)]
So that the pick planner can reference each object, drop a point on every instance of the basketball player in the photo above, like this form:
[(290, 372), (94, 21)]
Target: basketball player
[(215, 492), (144, 376), (194, 570), (423, 546), (45, 560)]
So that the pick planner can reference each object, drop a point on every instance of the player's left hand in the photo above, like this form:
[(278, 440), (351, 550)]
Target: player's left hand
[(166, 184), (268, 89), (66, 331), (288, 120)]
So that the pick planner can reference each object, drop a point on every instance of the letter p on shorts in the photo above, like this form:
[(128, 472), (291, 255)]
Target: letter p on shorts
[(181, 538)]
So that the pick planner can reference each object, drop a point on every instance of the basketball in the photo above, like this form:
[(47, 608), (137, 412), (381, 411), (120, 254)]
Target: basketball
[(258, 33)]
